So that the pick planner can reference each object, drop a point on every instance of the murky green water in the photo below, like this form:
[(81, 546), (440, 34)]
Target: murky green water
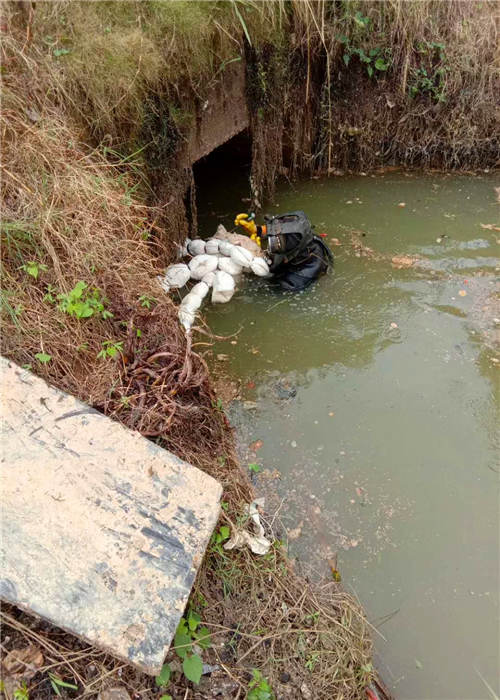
[(388, 449)]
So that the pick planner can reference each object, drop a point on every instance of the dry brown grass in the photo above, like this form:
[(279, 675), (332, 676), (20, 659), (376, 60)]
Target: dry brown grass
[(337, 117), (76, 215)]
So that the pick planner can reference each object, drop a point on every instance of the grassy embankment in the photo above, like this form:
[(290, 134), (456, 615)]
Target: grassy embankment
[(97, 100)]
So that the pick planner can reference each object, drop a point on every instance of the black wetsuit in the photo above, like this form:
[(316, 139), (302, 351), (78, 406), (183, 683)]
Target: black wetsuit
[(298, 257), (299, 273)]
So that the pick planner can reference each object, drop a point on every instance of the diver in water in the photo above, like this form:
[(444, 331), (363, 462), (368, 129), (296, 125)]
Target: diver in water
[(297, 256)]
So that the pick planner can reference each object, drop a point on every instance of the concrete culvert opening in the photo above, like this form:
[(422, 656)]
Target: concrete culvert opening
[(222, 178)]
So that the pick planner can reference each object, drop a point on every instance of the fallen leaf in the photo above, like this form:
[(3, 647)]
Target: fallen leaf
[(402, 204), (254, 446), (255, 351), (335, 241), (222, 358), (394, 325), (402, 261), (331, 414), (250, 385), (490, 227), (462, 293), (23, 663)]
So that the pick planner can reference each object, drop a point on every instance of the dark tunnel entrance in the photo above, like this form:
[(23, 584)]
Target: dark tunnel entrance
[(222, 182)]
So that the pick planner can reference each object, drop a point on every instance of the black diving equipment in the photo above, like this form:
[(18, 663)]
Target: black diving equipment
[(298, 257)]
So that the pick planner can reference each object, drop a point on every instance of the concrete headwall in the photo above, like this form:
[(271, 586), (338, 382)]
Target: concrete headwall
[(223, 114)]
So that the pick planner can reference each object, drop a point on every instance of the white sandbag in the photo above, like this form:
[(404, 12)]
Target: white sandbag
[(208, 279), (225, 248), (196, 247), (201, 289), (186, 318), (260, 267), (227, 265), (223, 288), (163, 283), (212, 246), (177, 275), (201, 265), (191, 302), (241, 257)]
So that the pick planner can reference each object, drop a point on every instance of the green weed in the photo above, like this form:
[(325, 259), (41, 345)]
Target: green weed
[(57, 683), (146, 301), (259, 688), (82, 301), (19, 239), (428, 83), (312, 660), (163, 677), (33, 268), (375, 59), (21, 693), (13, 311), (221, 535), (110, 348), (189, 633), (43, 357)]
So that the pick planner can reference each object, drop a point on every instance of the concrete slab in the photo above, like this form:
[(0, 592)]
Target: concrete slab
[(102, 531)]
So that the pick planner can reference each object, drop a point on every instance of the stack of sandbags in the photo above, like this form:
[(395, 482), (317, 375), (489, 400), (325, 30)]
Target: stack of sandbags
[(215, 263)]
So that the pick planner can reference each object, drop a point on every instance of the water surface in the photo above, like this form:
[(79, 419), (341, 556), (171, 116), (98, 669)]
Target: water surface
[(376, 397)]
